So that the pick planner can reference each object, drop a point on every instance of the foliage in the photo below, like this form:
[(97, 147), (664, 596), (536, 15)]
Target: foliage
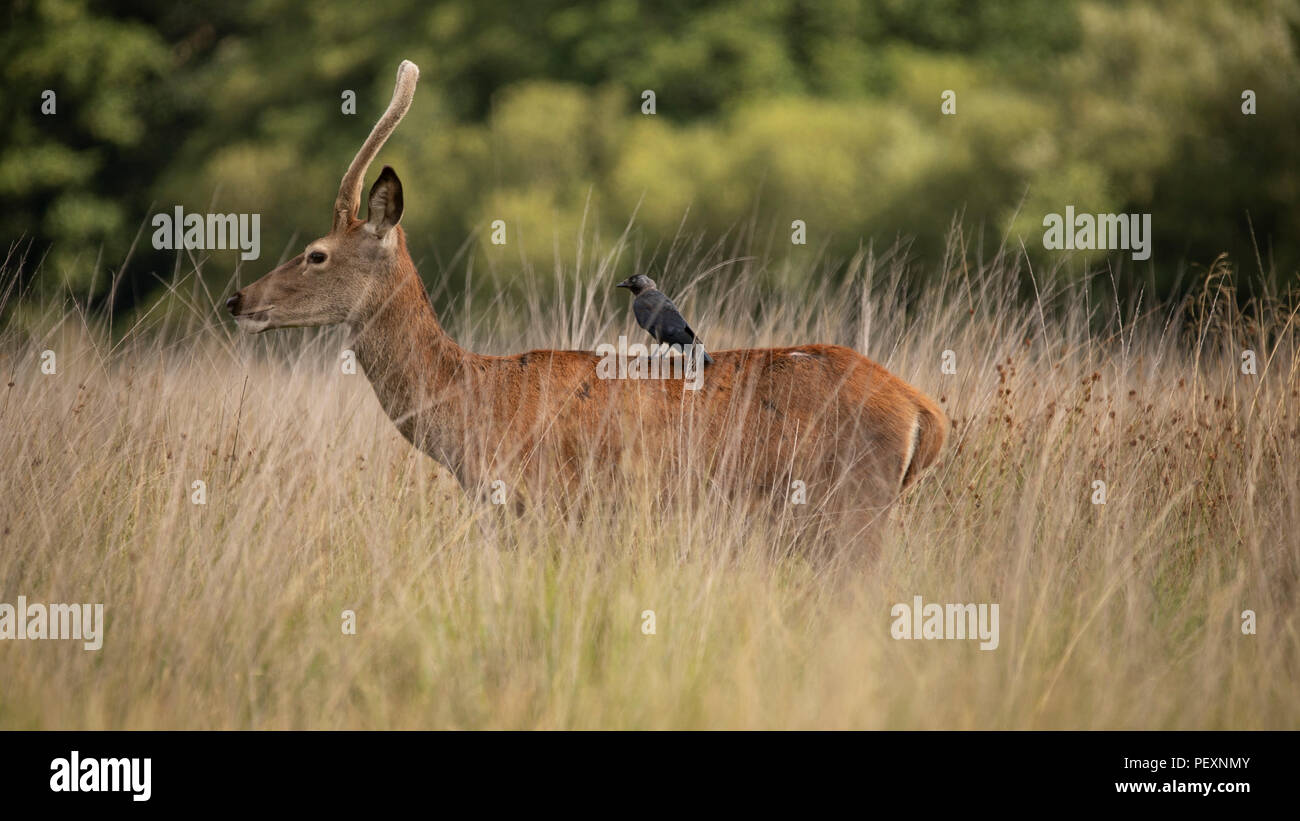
[(766, 112)]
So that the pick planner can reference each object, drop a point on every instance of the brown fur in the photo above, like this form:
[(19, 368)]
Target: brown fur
[(542, 421)]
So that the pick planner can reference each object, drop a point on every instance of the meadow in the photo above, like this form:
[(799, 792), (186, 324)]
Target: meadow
[(229, 614)]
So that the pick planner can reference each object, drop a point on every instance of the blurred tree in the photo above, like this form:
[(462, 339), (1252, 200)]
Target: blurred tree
[(77, 123), (827, 111)]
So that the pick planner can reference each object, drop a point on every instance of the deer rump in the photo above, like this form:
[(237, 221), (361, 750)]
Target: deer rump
[(854, 434)]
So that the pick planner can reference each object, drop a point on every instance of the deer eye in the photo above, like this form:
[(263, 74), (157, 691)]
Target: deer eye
[(316, 257)]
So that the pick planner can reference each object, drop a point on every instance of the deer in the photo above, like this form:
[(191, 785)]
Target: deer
[(540, 422)]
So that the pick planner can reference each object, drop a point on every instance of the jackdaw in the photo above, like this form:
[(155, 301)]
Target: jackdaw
[(658, 315)]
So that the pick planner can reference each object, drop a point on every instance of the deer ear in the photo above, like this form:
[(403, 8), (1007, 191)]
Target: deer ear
[(385, 202)]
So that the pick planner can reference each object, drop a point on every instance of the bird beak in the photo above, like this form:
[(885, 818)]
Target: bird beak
[(627, 283)]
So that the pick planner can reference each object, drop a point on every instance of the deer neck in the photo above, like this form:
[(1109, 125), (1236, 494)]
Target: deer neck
[(414, 366)]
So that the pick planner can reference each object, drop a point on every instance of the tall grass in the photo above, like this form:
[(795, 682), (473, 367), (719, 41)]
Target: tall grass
[(228, 615)]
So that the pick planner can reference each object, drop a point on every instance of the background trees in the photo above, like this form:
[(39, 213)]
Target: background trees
[(767, 111)]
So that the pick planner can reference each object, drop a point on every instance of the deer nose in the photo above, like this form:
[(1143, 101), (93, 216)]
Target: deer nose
[(232, 304)]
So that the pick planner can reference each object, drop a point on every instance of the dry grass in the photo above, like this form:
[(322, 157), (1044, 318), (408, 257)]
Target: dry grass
[(227, 615)]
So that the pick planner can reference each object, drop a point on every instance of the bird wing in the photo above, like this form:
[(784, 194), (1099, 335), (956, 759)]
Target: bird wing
[(645, 313), (673, 324), (658, 315)]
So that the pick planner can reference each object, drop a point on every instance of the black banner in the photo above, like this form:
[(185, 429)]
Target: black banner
[(148, 771)]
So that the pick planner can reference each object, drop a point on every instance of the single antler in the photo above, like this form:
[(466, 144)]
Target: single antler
[(345, 207)]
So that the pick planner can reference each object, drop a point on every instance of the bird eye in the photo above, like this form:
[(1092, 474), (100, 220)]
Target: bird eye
[(316, 257)]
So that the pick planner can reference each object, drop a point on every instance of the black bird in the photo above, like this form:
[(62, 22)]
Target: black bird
[(658, 315)]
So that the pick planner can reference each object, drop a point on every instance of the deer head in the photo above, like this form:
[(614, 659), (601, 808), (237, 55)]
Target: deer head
[(346, 274)]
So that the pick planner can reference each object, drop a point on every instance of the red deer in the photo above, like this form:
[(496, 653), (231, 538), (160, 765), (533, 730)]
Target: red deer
[(853, 433)]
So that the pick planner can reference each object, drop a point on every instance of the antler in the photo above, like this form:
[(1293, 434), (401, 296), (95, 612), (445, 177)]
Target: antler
[(345, 207)]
